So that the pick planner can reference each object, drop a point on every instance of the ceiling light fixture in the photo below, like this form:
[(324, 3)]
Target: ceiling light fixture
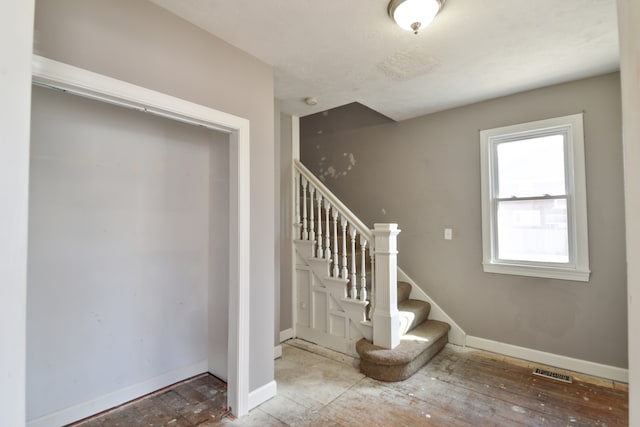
[(413, 15)]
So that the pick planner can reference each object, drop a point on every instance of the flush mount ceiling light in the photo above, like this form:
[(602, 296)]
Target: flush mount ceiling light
[(413, 15)]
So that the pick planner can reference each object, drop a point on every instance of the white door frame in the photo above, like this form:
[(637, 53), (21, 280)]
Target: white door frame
[(49, 73)]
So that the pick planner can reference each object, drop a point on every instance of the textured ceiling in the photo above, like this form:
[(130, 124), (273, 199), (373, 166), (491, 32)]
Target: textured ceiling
[(351, 51)]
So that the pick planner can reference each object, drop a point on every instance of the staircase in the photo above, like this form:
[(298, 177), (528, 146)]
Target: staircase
[(346, 292), (421, 340)]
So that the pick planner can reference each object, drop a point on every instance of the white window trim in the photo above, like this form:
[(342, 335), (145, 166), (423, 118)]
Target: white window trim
[(578, 267)]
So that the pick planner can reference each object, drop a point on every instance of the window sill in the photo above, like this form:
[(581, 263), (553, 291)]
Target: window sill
[(544, 272)]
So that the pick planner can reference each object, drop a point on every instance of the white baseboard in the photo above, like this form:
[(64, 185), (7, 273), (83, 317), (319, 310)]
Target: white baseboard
[(456, 334), (277, 352), (116, 398), (262, 394), (287, 334), (550, 359)]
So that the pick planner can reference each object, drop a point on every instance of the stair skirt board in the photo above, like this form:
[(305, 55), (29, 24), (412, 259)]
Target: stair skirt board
[(456, 333)]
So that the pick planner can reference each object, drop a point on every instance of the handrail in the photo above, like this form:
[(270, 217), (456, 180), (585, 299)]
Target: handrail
[(340, 258), (334, 201)]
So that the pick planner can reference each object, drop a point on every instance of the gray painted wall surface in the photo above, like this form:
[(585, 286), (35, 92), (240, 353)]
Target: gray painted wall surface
[(218, 309), (424, 174), (119, 258), (285, 172), (277, 225), (140, 43)]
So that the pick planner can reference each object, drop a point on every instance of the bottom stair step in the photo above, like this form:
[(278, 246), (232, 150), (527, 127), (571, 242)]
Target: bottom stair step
[(415, 349)]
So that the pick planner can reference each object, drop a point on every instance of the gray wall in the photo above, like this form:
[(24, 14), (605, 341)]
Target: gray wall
[(285, 171), (218, 239), (140, 43), (120, 263), (424, 174)]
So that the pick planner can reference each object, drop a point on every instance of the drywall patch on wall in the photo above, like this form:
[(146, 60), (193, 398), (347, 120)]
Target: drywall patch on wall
[(339, 167)]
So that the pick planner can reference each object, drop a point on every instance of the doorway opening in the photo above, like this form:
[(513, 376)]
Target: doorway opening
[(233, 133)]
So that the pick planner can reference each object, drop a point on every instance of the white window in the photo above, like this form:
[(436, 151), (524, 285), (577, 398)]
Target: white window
[(534, 203)]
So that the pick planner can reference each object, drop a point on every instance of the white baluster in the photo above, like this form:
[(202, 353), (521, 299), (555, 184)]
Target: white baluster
[(327, 246), (296, 183), (305, 232), (320, 253), (312, 233), (345, 270), (354, 285), (363, 271), (336, 257)]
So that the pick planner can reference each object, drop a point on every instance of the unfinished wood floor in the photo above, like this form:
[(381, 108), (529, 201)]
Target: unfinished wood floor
[(199, 401), (460, 387)]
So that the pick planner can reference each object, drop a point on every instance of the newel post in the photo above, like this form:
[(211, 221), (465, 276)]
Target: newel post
[(386, 321)]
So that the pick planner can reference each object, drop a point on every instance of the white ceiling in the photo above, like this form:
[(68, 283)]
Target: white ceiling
[(350, 50)]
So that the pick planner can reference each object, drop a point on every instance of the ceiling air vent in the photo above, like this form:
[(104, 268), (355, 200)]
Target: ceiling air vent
[(553, 375)]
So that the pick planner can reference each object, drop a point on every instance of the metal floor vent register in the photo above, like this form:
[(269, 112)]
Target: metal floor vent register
[(553, 375)]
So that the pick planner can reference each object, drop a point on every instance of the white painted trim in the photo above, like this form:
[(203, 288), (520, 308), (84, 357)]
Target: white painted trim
[(239, 277), (328, 195), (85, 83), (295, 137), (295, 155), (47, 72), (287, 334), (456, 334), (277, 352), (629, 36), (262, 394), (550, 359), (119, 397), (572, 128), (537, 271), (16, 45)]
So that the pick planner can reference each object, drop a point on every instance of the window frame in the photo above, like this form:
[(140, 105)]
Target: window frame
[(571, 126)]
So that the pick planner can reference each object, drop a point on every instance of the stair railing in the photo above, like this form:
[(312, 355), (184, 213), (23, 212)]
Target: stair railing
[(344, 241), (347, 240)]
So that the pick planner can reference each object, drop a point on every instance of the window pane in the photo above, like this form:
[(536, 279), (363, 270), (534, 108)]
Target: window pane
[(533, 230), (531, 167)]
